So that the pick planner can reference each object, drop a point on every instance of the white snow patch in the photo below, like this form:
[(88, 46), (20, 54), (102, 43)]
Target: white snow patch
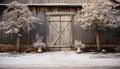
[(56, 59)]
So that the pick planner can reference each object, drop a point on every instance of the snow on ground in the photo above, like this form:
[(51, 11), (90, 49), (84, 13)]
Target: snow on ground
[(59, 58)]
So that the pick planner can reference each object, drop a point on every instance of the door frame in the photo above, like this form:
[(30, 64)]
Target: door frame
[(72, 23)]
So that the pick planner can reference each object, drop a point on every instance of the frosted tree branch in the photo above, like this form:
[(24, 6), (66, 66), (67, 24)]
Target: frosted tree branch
[(18, 17), (99, 15)]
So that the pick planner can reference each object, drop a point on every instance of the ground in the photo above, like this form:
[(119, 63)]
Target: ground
[(60, 59)]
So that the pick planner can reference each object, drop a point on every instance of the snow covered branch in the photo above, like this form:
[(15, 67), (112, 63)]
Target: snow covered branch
[(18, 17), (99, 15)]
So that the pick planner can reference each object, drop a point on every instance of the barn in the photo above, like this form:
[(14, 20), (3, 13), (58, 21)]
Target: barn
[(60, 27)]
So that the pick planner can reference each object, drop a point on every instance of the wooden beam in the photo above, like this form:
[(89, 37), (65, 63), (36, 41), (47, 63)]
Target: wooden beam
[(61, 14), (57, 46), (58, 21), (51, 5)]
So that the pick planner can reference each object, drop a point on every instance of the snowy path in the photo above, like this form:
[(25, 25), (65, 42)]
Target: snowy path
[(58, 59)]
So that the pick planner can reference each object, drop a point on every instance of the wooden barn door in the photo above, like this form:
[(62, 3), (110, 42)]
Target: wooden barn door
[(60, 30)]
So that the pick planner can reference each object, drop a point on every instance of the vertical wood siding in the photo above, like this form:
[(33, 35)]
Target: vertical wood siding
[(86, 36)]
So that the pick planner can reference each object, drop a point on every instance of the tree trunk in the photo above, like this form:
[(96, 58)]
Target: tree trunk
[(98, 41), (18, 48)]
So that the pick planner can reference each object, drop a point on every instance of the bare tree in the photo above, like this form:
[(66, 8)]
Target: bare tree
[(18, 18), (99, 16)]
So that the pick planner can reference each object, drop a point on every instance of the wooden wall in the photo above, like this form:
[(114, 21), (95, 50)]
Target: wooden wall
[(108, 37)]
